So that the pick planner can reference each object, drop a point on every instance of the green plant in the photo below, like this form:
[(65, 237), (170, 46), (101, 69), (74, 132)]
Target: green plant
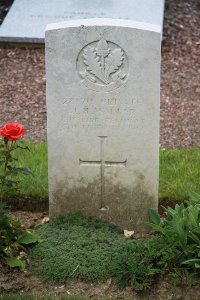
[(77, 247), (90, 249), (141, 262), (13, 237), (175, 248), (181, 230), (11, 133)]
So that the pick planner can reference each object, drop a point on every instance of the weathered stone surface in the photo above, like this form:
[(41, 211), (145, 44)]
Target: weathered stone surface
[(26, 20), (103, 118)]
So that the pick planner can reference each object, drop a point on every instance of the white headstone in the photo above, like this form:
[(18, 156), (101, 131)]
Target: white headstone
[(103, 118), (26, 20)]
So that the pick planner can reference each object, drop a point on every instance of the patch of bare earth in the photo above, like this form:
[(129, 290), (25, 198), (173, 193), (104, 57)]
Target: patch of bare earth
[(22, 99), (18, 282)]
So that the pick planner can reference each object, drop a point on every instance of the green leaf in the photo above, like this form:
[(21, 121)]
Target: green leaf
[(4, 209), (194, 237), (154, 216), (194, 198), (24, 148), (24, 171), (194, 261), (29, 238), (10, 182), (14, 262), (193, 217), (13, 159), (17, 245)]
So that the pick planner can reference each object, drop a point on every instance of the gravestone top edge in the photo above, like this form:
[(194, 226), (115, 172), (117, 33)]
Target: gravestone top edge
[(104, 22)]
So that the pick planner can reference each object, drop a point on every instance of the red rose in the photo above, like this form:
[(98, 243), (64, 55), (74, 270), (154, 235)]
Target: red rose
[(12, 131)]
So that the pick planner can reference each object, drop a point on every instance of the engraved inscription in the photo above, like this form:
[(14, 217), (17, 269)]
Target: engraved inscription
[(102, 163), (103, 101), (70, 15), (102, 66), (102, 113)]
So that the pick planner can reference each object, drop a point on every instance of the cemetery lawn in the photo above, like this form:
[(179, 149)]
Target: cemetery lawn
[(179, 174)]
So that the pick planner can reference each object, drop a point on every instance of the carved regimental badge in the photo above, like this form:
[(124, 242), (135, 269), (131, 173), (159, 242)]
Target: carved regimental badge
[(102, 66)]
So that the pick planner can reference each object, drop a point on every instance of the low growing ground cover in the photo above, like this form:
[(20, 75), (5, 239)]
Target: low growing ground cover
[(77, 247), (89, 249)]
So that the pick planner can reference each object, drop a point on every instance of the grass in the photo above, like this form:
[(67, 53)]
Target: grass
[(36, 184), (77, 247), (179, 172), (36, 160)]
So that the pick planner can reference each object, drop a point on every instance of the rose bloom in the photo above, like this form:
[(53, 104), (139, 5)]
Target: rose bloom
[(12, 131)]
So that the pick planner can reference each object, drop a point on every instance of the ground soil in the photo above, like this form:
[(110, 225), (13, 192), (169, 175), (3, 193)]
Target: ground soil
[(22, 99)]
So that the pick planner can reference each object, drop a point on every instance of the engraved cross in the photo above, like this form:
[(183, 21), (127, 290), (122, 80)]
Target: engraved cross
[(103, 164)]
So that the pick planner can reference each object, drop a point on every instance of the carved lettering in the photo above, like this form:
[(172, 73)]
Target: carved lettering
[(102, 113)]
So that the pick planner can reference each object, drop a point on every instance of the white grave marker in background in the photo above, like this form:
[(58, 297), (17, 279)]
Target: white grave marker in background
[(27, 19), (103, 84)]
